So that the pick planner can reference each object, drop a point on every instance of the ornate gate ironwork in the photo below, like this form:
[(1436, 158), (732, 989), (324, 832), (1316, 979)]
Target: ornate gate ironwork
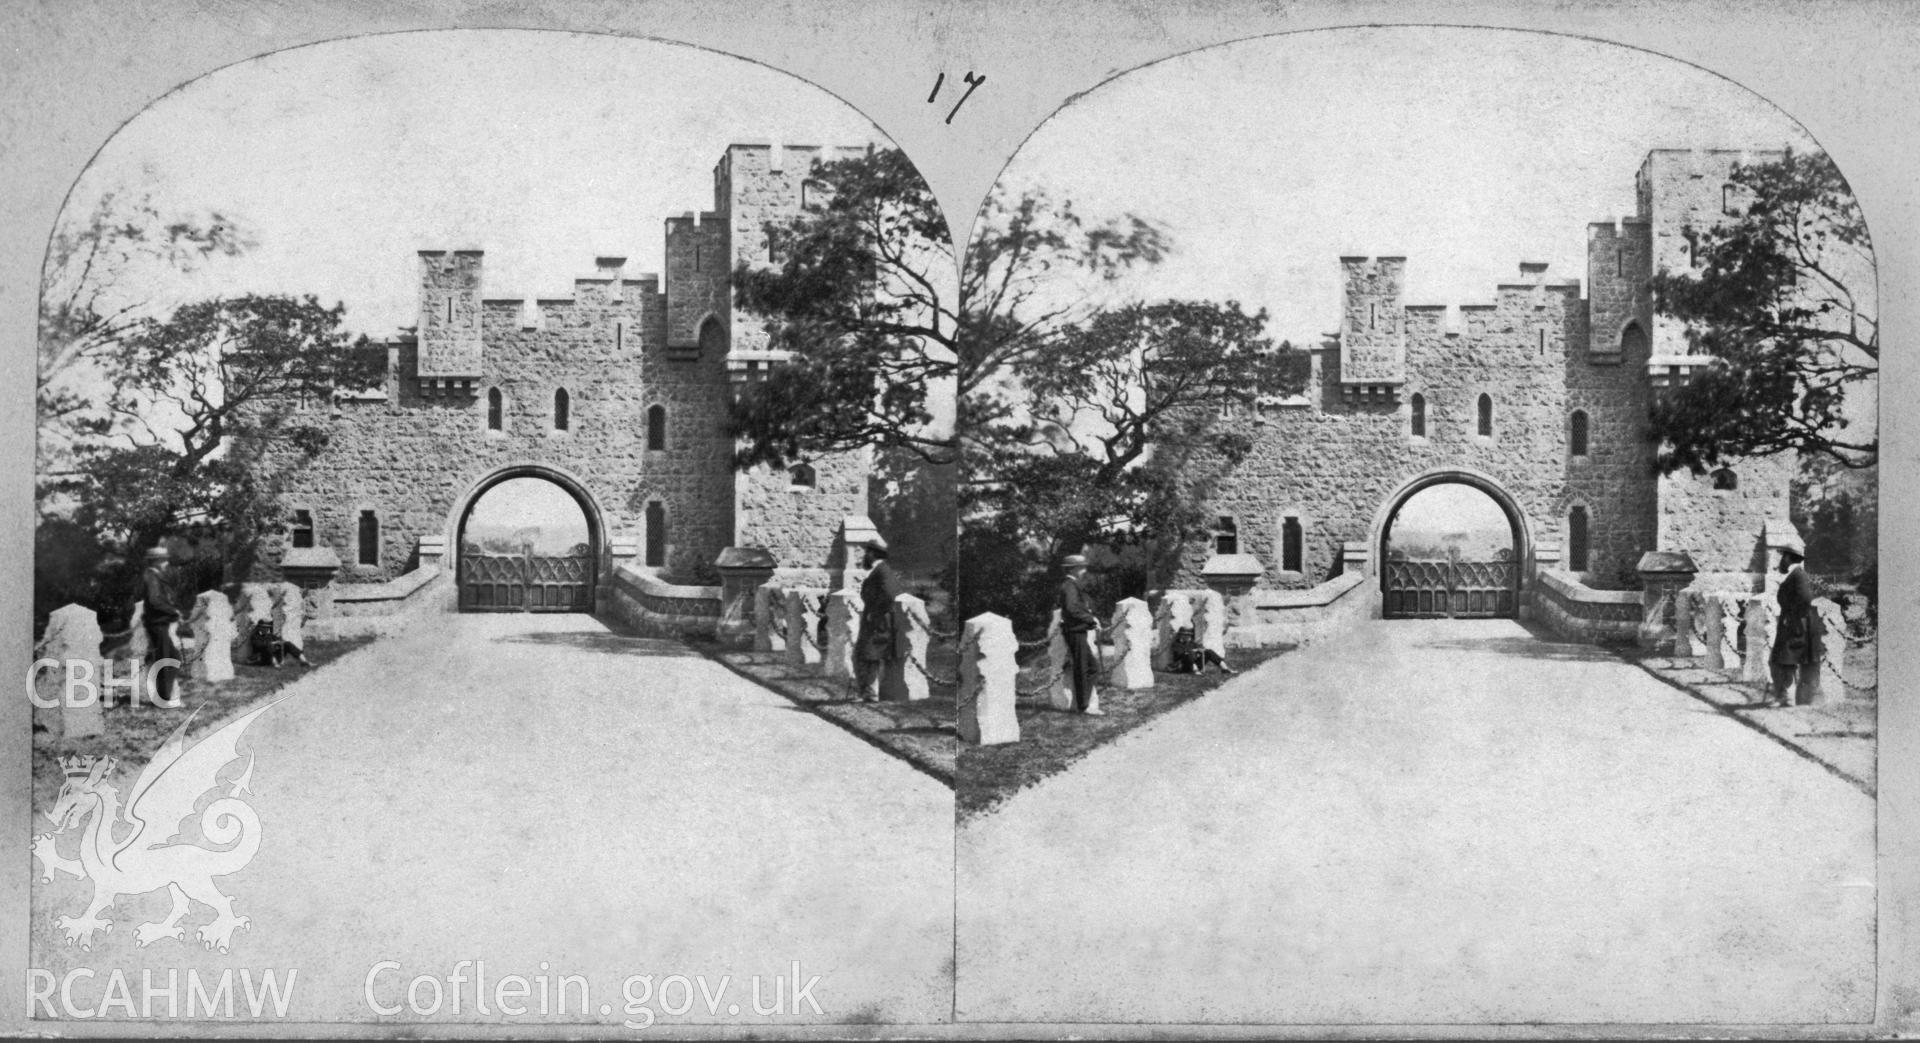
[(526, 583), (1451, 587)]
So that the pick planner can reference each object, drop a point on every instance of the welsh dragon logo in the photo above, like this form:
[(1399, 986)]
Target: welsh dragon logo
[(136, 848)]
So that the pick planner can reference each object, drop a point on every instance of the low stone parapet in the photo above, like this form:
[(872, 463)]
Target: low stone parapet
[(1578, 612), (655, 608), (1300, 617), (370, 609)]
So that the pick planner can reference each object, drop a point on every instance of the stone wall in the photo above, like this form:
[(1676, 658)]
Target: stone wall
[(416, 449), (1336, 458)]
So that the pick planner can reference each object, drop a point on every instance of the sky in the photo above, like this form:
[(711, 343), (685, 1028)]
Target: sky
[(530, 503), (344, 159), (1466, 150)]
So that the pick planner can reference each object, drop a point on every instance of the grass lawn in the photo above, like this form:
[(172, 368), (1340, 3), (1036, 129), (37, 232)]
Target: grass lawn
[(922, 732), (133, 734), (1051, 740)]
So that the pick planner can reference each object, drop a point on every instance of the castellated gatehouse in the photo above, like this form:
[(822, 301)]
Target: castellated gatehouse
[(1537, 398), (617, 394)]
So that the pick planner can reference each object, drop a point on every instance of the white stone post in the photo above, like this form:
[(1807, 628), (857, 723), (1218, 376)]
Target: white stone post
[(1133, 644), (1830, 684), (1176, 614), (212, 622), (803, 627), (290, 614), (1723, 632), (768, 605), (987, 682), (72, 635), (903, 681), (137, 645), (1763, 618), (843, 633), (1689, 624), (1210, 623), (256, 604)]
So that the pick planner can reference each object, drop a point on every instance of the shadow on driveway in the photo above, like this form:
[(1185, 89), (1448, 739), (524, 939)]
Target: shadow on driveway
[(602, 641)]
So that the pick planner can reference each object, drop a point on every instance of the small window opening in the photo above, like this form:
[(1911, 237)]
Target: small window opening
[(1486, 416), (1226, 536), (302, 529), (1577, 437), (1291, 544), (656, 428)]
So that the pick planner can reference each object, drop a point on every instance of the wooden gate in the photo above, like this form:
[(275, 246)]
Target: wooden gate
[(1451, 588), (526, 583)]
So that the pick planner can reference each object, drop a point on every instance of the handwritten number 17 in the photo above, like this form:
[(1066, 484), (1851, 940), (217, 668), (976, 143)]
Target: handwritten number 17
[(970, 80)]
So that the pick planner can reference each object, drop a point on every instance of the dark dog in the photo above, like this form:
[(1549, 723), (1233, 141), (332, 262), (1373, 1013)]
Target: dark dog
[(1185, 657), (269, 649)]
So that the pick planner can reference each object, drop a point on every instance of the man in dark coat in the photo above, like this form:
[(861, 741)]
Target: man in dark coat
[(1077, 623), (160, 617), (878, 644), (1798, 634)]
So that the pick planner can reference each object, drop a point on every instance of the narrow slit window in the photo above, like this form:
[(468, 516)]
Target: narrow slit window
[(496, 409), (1729, 200), (656, 534), (1292, 544), (1486, 416), (1577, 433), (1417, 421), (449, 310), (562, 410), (1577, 539), (619, 336), (369, 538), (1619, 261)]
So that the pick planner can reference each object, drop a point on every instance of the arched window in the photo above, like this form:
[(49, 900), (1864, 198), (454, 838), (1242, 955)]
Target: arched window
[(1577, 539), (1292, 540), (802, 476), (656, 533), (369, 538), (1486, 416), (1417, 410), (496, 409), (1729, 203), (1725, 480), (1633, 341), (656, 428), (302, 528), (713, 338), (1577, 433), (1226, 535), (562, 407)]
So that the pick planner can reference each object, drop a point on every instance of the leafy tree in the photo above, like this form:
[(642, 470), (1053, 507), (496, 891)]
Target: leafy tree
[(205, 406), (862, 298), (1128, 419), (86, 304), (880, 336), (1783, 297)]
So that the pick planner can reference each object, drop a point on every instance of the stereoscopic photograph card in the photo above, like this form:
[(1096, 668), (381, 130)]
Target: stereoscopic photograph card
[(898, 521)]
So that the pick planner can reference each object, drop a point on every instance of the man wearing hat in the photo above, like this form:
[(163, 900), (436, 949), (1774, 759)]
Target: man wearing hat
[(878, 643), (160, 618), (1797, 637), (1077, 623)]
